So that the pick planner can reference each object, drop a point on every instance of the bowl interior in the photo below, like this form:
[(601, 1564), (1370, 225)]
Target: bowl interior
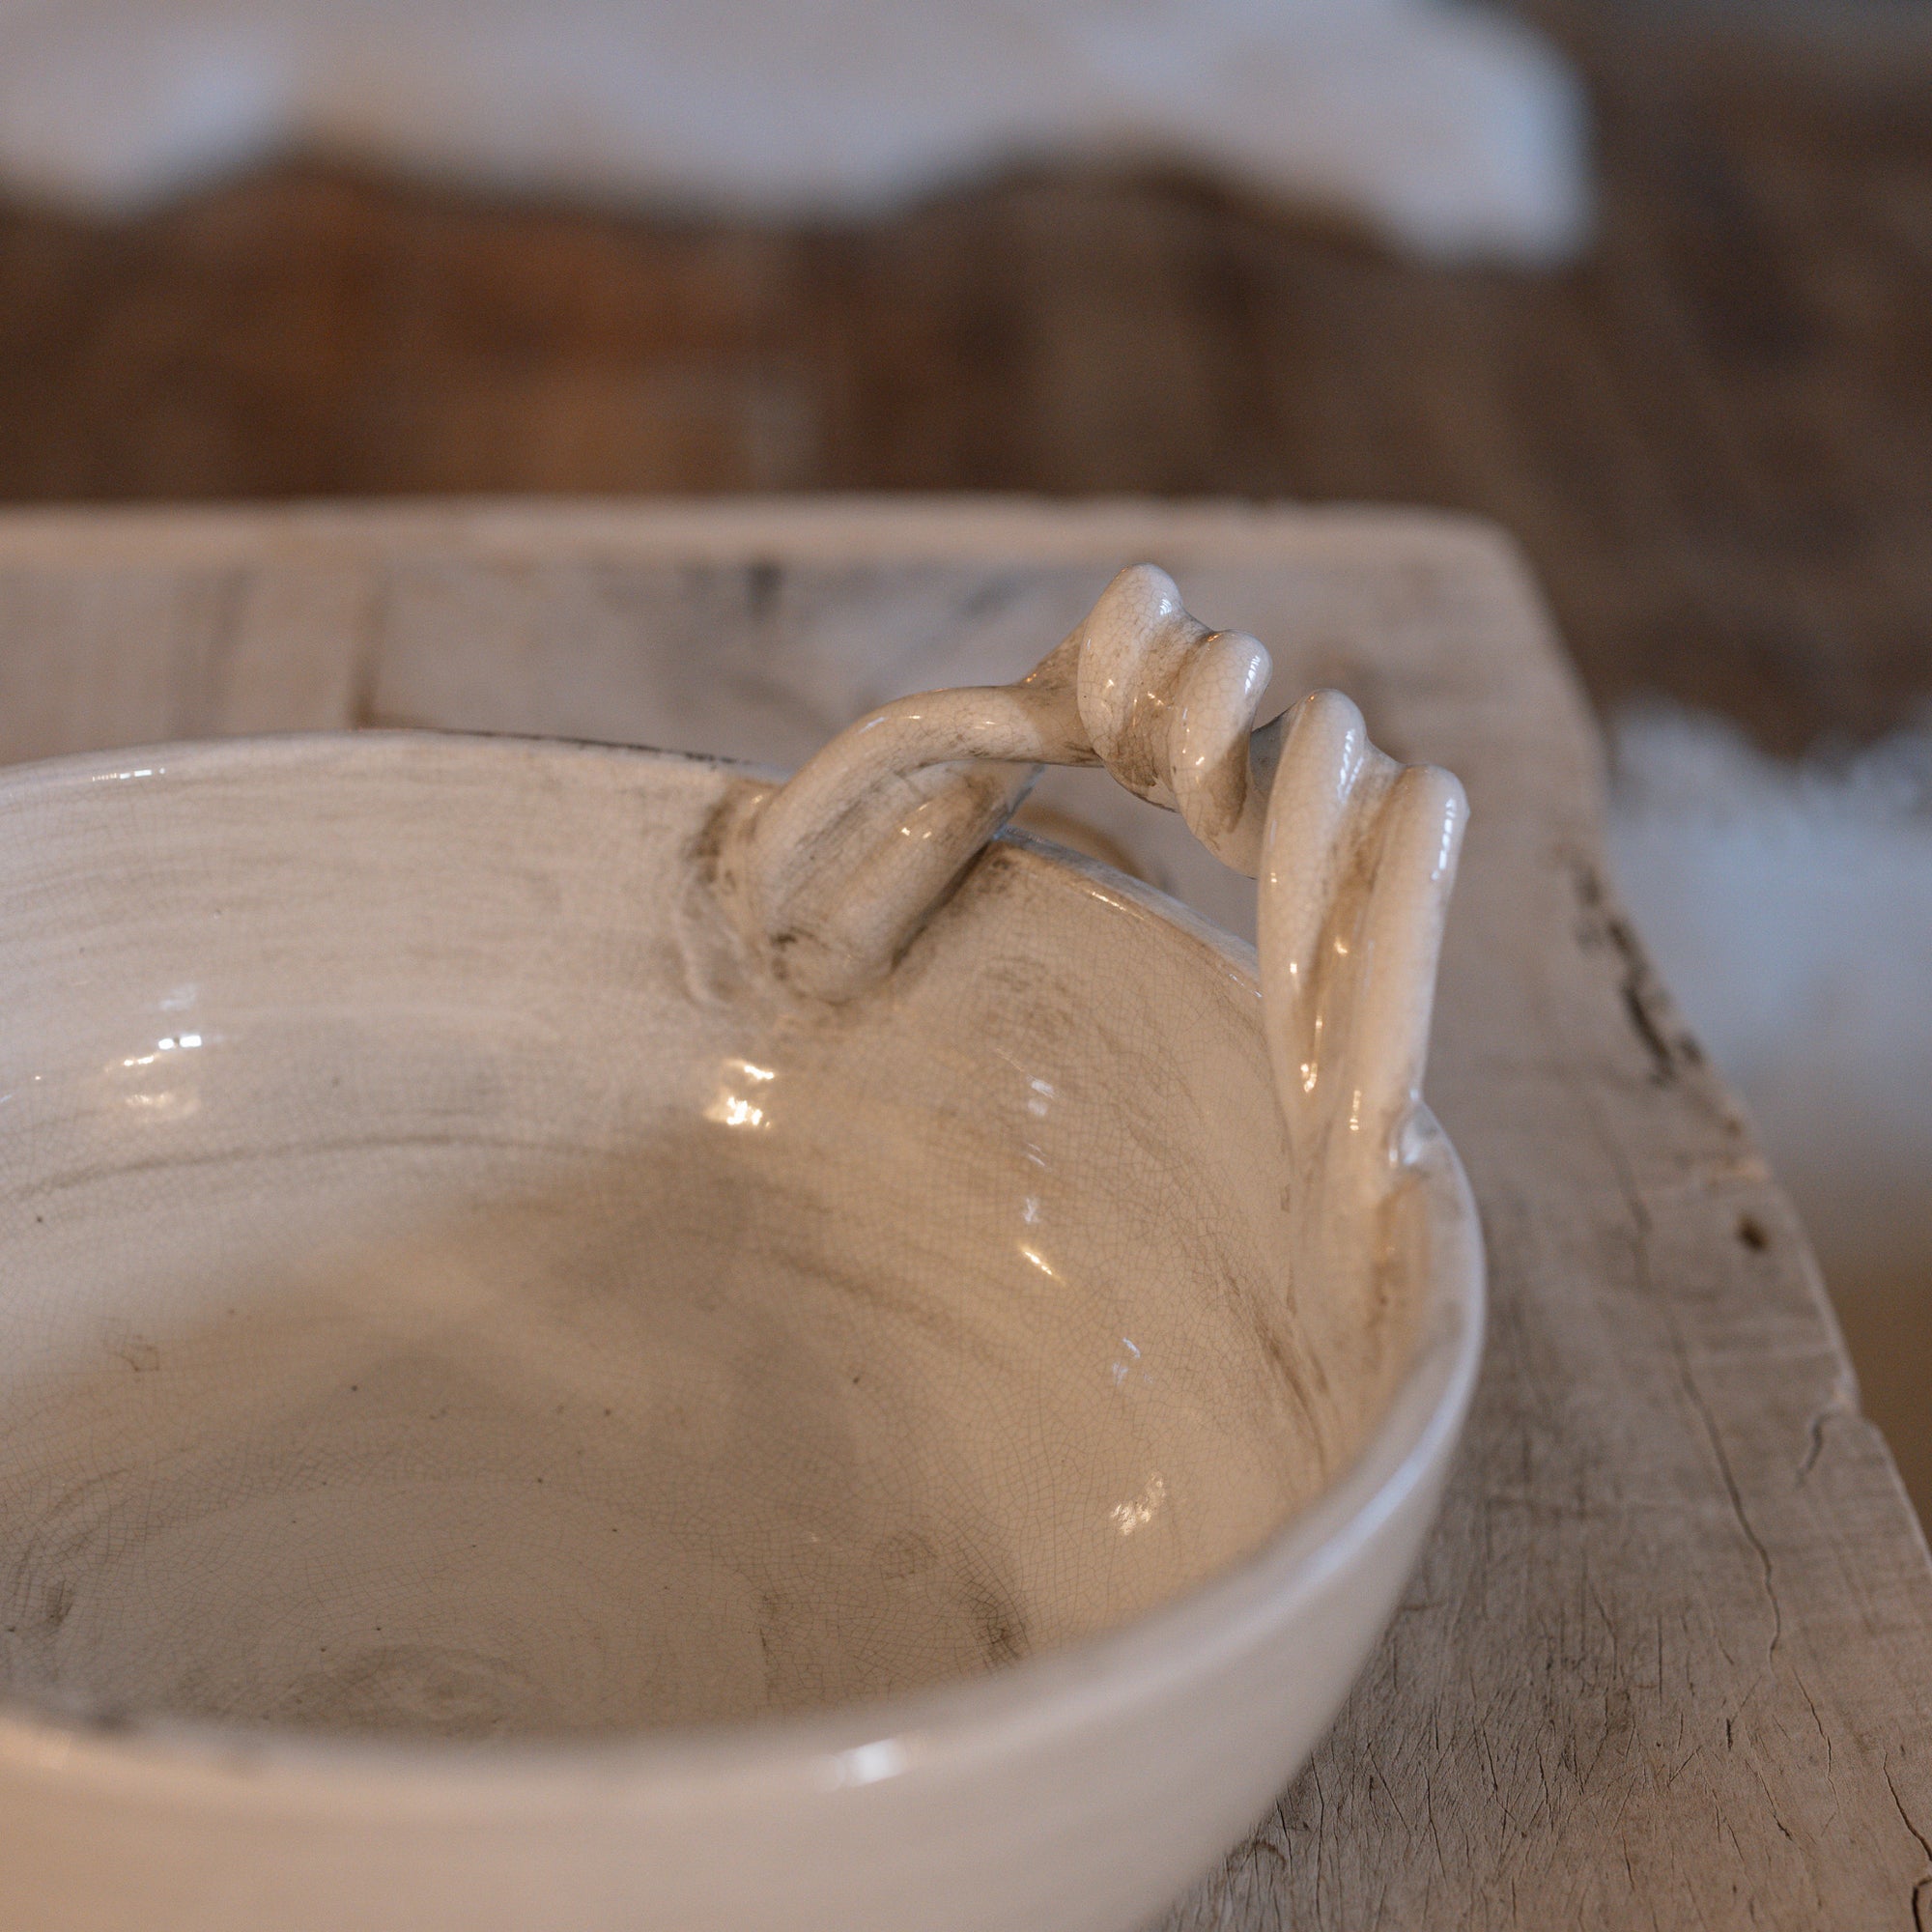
[(435, 1302)]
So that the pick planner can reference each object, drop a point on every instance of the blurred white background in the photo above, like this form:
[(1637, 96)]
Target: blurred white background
[(1454, 130)]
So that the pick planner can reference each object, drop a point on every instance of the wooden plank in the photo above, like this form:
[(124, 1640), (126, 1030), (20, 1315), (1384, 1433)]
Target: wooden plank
[(1667, 1660), (1713, 432)]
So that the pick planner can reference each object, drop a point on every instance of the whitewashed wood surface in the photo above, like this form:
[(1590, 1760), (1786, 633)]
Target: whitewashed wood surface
[(1668, 1661)]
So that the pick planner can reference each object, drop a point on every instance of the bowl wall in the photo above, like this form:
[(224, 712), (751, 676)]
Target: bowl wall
[(442, 1306), (437, 1306)]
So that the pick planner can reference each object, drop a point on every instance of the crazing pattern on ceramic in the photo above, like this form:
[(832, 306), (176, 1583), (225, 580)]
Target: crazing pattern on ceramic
[(1355, 855)]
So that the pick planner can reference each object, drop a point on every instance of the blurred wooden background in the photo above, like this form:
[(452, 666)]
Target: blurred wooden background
[(1714, 436)]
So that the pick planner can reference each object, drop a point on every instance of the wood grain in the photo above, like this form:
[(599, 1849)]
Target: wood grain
[(1665, 1664), (1714, 436)]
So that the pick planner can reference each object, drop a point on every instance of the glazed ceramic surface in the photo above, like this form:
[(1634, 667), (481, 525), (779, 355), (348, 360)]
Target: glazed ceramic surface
[(518, 1413)]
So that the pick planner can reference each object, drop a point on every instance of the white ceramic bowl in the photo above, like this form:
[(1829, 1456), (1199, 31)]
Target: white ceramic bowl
[(499, 1433)]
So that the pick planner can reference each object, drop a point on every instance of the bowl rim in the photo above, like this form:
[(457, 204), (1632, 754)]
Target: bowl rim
[(849, 1745)]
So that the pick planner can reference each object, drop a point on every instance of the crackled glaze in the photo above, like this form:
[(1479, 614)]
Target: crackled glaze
[(508, 1425)]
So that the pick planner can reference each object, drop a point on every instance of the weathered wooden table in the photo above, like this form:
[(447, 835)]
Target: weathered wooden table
[(1668, 1661)]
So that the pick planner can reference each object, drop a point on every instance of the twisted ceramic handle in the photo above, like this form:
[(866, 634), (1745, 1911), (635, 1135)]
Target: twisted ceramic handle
[(830, 877)]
